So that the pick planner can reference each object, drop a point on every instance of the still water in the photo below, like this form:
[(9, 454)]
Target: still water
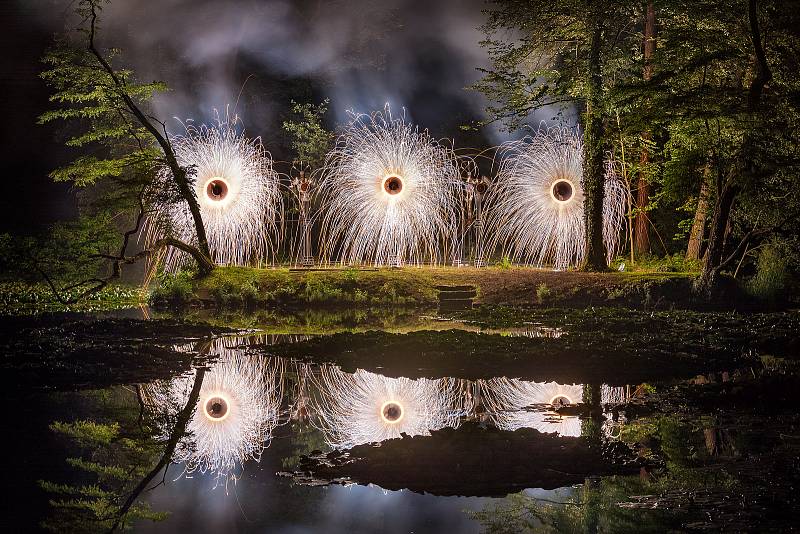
[(258, 441)]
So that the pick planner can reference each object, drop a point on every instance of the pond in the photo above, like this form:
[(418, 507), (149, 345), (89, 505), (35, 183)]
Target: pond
[(485, 421)]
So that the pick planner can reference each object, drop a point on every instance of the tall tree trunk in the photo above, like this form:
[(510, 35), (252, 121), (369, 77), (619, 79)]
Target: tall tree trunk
[(593, 164), (707, 281), (178, 173), (699, 224), (642, 225)]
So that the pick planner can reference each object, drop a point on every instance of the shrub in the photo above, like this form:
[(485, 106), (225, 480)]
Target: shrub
[(542, 292), (772, 273), (173, 289)]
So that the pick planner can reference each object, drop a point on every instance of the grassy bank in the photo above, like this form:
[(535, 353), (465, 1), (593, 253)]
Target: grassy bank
[(417, 287)]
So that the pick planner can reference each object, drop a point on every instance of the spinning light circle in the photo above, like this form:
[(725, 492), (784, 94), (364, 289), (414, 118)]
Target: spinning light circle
[(365, 407), (238, 408), (237, 191), (389, 194), (535, 210)]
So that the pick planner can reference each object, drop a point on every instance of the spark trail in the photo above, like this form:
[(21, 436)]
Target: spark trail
[(535, 209), (238, 192), (389, 195)]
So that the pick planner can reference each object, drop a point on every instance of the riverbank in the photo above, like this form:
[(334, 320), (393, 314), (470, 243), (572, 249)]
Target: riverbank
[(420, 287), (412, 288)]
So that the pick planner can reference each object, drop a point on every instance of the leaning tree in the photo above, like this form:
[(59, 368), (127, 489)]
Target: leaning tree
[(123, 147)]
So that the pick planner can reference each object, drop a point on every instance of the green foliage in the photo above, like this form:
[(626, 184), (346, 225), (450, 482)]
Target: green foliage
[(505, 263), (114, 452), (309, 138), (676, 263), (236, 286), (592, 508), (88, 95), (20, 298), (772, 273), (542, 293), (173, 289), (540, 53)]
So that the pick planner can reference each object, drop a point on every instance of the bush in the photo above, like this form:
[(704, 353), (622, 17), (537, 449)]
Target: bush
[(505, 263), (542, 292), (677, 263), (772, 273), (173, 289)]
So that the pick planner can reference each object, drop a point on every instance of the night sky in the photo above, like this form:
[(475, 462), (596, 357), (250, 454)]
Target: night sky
[(257, 56)]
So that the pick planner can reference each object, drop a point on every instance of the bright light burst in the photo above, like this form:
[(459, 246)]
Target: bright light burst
[(364, 407), (535, 209), (237, 190), (389, 194), (512, 404), (238, 408)]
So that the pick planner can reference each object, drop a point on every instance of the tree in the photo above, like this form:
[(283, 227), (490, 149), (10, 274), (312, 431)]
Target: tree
[(726, 85), (310, 140), (563, 53), (642, 232), (123, 146), (122, 458)]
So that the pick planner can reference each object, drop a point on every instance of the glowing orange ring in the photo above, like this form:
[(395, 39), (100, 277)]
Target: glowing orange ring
[(217, 189), (393, 184), (556, 185), (383, 411), (227, 407)]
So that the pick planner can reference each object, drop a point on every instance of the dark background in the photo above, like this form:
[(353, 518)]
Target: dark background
[(254, 57)]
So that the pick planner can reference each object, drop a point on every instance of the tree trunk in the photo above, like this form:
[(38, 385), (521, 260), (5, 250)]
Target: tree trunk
[(699, 225), (178, 172), (641, 223), (713, 262), (593, 164), (642, 226), (707, 281)]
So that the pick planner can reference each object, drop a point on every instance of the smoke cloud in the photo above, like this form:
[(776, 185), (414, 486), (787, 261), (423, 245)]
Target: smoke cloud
[(254, 56)]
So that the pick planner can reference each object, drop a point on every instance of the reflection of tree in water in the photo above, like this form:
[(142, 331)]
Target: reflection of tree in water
[(510, 404), (365, 407), (238, 408), (122, 459), (592, 508)]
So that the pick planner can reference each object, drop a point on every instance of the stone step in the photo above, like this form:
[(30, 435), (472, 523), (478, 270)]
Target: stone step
[(453, 305), (455, 288), (457, 295)]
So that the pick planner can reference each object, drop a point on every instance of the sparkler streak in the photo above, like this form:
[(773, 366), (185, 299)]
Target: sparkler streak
[(239, 407), (365, 407), (535, 209), (389, 195), (237, 190)]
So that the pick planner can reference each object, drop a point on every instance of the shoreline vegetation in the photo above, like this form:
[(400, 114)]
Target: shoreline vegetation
[(663, 285)]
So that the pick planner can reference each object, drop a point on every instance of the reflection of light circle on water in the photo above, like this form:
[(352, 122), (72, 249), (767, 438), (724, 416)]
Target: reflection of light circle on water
[(562, 190), (216, 408), (217, 189), (560, 400), (392, 184), (392, 412)]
